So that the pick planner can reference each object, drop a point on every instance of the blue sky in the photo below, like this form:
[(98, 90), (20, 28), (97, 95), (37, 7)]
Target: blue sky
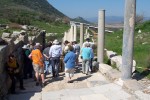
[(90, 8)]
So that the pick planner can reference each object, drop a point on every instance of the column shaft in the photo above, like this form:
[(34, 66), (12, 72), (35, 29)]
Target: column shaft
[(101, 36), (75, 32), (128, 38), (81, 34)]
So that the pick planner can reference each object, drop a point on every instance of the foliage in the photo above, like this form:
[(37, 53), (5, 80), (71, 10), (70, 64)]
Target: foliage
[(144, 27), (4, 21)]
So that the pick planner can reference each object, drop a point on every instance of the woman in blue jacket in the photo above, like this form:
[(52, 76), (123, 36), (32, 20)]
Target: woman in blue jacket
[(69, 60), (87, 54)]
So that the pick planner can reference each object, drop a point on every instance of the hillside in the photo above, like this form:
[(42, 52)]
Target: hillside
[(26, 11), (80, 19)]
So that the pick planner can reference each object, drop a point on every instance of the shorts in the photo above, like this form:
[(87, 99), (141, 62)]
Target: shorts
[(69, 72), (38, 68)]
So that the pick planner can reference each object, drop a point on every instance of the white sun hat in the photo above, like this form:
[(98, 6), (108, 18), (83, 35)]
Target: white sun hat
[(25, 47)]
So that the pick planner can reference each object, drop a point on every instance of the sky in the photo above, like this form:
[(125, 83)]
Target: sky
[(90, 8)]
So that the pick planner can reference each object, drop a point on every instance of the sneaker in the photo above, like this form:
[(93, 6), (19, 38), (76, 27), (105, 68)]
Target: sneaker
[(70, 82), (83, 72), (87, 73)]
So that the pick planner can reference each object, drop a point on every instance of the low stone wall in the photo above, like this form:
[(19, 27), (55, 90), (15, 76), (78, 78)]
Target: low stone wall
[(116, 60), (14, 46)]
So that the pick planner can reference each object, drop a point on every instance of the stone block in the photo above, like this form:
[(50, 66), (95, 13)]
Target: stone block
[(110, 54), (117, 60), (113, 74), (6, 35), (142, 96), (23, 38), (133, 85), (15, 33), (23, 32), (114, 59), (8, 40), (104, 68), (25, 27)]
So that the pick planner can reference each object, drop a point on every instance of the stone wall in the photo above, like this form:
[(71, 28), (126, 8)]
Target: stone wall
[(5, 50), (14, 46)]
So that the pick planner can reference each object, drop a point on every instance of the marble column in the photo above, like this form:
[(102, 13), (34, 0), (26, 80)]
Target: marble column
[(75, 33), (81, 34), (65, 36), (101, 36), (128, 39), (72, 33)]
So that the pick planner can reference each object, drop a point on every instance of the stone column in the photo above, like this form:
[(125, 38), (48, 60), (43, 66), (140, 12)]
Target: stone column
[(69, 35), (86, 31), (88, 34), (72, 33), (128, 39), (101, 31), (81, 34), (75, 33), (65, 36)]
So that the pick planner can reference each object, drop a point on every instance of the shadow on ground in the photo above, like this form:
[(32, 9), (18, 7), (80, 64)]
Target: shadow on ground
[(140, 75), (31, 90)]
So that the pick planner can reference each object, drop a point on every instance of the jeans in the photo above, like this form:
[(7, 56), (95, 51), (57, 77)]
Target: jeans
[(55, 66), (85, 65), (48, 67)]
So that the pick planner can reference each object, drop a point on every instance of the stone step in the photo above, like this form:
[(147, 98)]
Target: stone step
[(108, 91)]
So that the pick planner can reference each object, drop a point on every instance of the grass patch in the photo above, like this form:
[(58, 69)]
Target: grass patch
[(4, 21), (54, 27), (141, 53), (113, 41)]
